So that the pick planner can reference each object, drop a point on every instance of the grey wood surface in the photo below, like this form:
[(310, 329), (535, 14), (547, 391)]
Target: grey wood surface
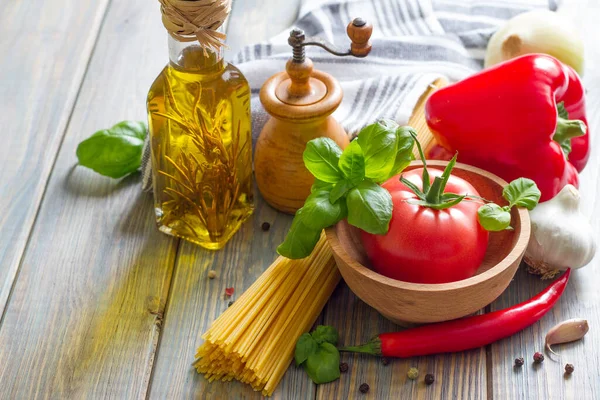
[(44, 51), (582, 297), (84, 317), (101, 305)]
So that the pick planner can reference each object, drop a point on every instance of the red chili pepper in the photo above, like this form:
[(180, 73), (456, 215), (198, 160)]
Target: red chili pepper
[(506, 120), (466, 333)]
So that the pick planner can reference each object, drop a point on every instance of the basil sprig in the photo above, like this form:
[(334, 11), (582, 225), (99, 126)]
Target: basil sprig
[(347, 184), (317, 354), (522, 192), (114, 152)]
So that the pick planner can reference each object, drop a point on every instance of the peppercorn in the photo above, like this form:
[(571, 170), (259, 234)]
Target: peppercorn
[(385, 361), (519, 362), (212, 274), (230, 303), (538, 357), (429, 379), (569, 368), (413, 373), (266, 226), (364, 388), (343, 367)]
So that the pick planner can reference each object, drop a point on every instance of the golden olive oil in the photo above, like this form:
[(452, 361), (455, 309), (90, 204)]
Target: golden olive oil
[(201, 141)]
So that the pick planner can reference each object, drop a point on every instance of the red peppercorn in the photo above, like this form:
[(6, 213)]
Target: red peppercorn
[(538, 357), (364, 388)]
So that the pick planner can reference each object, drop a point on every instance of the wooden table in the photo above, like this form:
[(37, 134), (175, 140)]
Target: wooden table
[(96, 303)]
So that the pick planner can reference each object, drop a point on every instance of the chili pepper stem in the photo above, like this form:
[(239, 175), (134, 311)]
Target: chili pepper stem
[(373, 347)]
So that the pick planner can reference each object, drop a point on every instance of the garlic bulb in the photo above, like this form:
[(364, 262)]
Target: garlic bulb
[(538, 31), (561, 237)]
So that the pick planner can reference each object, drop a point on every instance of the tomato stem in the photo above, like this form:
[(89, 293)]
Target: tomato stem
[(433, 195)]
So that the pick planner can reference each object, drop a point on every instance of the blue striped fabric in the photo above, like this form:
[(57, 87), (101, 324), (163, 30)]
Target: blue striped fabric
[(414, 43)]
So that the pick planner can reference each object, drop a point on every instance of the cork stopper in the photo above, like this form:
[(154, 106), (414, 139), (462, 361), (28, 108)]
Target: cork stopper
[(189, 20)]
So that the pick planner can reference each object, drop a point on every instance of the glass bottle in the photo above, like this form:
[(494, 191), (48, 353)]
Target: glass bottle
[(201, 141)]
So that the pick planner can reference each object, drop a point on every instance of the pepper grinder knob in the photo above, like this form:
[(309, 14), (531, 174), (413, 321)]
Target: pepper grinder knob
[(360, 31)]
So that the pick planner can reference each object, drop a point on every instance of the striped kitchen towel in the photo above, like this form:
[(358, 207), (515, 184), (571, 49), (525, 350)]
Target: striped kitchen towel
[(414, 43)]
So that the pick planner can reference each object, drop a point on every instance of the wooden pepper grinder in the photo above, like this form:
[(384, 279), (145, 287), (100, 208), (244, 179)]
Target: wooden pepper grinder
[(300, 102)]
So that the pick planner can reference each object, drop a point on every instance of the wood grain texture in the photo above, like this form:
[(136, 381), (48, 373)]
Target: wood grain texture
[(45, 50), (84, 317), (197, 301), (458, 376), (408, 303), (581, 298)]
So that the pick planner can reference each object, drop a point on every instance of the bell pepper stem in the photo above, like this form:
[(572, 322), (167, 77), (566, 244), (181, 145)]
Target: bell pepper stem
[(566, 129)]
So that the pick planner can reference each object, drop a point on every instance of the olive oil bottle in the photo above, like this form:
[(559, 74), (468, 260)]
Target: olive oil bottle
[(201, 141)]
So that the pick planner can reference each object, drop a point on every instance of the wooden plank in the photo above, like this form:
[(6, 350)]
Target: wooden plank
[(84, 318), (196, 301), (45, 49), (581, 298), (458, 376)]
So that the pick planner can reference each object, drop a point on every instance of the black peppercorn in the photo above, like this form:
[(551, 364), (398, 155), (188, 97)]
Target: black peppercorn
[(266, 226), (538, 357), (519, 362), (569, 368), (364, 388), (230, 304), (385, 361), (343, 367), (429, 379)]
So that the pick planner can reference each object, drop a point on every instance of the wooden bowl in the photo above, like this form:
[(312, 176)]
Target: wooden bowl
[(414, 303)]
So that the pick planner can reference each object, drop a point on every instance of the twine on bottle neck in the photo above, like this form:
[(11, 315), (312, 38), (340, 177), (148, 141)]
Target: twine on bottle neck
[(189, 20)]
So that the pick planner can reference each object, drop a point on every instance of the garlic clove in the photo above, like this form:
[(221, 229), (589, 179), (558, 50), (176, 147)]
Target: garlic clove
[(565, 332)]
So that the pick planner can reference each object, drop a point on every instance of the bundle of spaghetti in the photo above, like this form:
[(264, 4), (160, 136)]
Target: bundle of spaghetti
[(253, 341)]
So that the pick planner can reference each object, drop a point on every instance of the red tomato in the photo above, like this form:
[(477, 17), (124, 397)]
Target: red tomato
[(424, 245)]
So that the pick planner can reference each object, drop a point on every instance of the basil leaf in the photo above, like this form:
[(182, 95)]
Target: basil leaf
[(340, 190), (324, 365), (300, 240), (405, 143), (326, 333), (320, 185), (370, 208), (522, 192), (379, 144), (114, 152), (317, 214), (305, 346), (321, 158), (352, 163), (493, 218)]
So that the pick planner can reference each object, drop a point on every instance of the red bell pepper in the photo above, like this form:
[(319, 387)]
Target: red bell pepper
[(506, 120)]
